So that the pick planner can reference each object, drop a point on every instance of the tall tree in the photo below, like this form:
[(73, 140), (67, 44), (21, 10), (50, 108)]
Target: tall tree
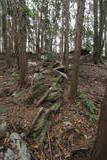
[(95, 6), (5, 37), (15, 23), (99, 19), (105, 27), (72, 90), (105, 38), (22, 43), (66, 32)]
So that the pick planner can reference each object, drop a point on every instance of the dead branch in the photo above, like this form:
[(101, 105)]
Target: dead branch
[(50, 148), (34, 121), (44, 97), (80, 148)]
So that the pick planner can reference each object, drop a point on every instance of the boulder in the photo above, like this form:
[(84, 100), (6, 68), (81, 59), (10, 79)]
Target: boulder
[(18, 149)]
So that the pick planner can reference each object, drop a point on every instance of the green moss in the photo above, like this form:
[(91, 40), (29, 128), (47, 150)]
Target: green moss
[(37, 93)]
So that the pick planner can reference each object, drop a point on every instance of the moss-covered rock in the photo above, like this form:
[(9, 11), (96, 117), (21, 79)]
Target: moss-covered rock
[(37, 92)]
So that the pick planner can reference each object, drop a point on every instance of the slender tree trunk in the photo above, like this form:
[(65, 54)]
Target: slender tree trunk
[(98, 31), (22, 44), (42, 36), (66, 33), (101, 29), (73, 77), (61, 46), (4, 34), (95, 55), (5, 38), (62, 36), (15, 21), (105, 42), (105, 30), (38, 39), (10, 39), (0, 30)]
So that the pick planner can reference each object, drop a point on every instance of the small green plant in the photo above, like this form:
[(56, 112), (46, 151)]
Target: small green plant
[(92, 116), (89, 104)]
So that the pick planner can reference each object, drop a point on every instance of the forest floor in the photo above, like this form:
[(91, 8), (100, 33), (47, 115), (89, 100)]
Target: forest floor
[(73, 127)]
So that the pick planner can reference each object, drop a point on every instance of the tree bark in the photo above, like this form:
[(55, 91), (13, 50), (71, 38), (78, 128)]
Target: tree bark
[(22, 44), (95, 55), (66, 33), (98, 30), (100, 147), (73, 77), (5, 38)]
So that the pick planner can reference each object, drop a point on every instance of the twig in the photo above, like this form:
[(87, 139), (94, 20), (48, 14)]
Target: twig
[(60, 149), (50, 148), (81, 148)]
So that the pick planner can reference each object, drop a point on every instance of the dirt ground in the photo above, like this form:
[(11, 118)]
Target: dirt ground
[(72, 133)]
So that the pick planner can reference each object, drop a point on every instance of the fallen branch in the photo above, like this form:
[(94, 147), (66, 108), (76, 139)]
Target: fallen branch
[(35, 120), (44, 97), (43, 127), (50, 147), (47, 123), (80, 148)]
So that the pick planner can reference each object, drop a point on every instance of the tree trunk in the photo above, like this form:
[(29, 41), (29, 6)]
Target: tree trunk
[(15, 23), (101, 29), (95, 52), (98, 35), (38, 39), (105, 30), (10, 39), (5, 38), (22, 44), (105, 42), (73, 77), (100, 147), (66, 33)]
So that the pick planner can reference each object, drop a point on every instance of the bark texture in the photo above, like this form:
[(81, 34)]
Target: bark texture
[(72, 91), (100, 147)]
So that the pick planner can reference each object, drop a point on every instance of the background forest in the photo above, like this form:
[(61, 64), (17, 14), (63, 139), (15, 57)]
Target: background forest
[(53, 62)]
